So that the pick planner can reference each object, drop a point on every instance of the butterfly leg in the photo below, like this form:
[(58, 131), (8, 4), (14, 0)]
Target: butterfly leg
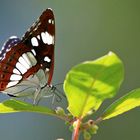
[(37, 97)]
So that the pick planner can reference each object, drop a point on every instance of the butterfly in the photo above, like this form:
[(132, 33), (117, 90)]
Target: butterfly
[(27, 64)]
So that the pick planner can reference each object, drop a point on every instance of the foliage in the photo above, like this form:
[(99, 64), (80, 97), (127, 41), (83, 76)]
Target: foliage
[(88, 84)]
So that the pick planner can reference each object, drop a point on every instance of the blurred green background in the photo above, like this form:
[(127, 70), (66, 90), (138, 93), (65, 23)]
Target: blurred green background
[(85, 30)]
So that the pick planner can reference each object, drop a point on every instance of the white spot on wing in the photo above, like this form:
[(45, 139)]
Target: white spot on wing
[(32, 58), (12, 83), (21, 68), (47, 69), (15, 77), (47, 38), (33, 51), (50, 9), (16, 71), (39, 23), (38, 37), (26, 59), (34, 41), (23, 62), (35, 29), (12, 37), (47, 59), (2, 48), (50, 21)]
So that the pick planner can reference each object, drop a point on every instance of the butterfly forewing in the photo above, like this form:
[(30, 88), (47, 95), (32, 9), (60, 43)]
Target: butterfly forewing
[(41, 37)]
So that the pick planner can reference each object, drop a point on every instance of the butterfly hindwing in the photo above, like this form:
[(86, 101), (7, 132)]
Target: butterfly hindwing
[(14, 65), (12, 41)]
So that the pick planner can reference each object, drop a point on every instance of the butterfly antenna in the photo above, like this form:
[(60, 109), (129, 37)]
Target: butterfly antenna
[(56, 98), (58, 84), (62, 93), (55, 90)]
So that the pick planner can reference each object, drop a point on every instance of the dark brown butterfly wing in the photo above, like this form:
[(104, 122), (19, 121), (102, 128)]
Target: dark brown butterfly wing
[(41, 36), (21, 59)]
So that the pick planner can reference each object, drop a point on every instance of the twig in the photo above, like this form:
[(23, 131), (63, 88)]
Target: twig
[(75, 135)]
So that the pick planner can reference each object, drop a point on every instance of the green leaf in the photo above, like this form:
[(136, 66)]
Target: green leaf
[(88, 84), (124, 104), (12, 106)]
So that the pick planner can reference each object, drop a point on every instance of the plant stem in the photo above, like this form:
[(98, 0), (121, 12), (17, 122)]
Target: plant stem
[(98, 120), (75, 135)]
